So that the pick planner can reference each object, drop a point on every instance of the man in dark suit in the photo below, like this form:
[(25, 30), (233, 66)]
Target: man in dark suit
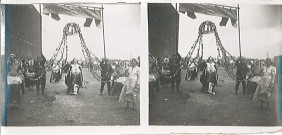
[(40, 76), (241, 74), (106, 71), (175, 77)]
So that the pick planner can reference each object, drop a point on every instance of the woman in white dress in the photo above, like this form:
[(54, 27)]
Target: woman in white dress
[(14, 81), (211, 75), (265, 84), (130, 87)]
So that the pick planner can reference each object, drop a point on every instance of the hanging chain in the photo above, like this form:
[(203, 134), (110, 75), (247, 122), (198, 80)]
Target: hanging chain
[(53, 58), (69, 30), (208, 27)]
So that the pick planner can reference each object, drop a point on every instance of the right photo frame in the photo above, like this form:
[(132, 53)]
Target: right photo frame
[(214, 64)]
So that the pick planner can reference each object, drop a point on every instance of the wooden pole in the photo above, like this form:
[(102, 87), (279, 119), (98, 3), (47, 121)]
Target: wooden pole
[(41, 53), (177, 28), (103, 32), (239, 31)]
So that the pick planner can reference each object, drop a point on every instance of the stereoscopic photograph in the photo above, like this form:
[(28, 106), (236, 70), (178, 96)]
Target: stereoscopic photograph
[(214, 64), (72, 64)]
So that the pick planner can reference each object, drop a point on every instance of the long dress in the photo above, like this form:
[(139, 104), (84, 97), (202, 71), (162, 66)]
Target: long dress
[(211, 76), (75, 69), (130, 90), (253, 81), (118, 78), (263, 90), (14, 81)]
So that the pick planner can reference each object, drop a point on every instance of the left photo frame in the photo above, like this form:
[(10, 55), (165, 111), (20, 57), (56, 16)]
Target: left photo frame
[(71, 64)]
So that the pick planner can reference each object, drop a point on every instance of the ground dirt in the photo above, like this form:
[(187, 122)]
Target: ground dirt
[(56, 108), (222, 109)]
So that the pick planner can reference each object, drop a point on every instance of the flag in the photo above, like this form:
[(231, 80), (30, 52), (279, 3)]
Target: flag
[(88, 22), (191, 15), (223, 21), (234, 23), (55, 16)]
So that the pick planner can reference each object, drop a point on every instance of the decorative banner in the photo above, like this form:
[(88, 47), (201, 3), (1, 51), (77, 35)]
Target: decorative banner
[(223, 21), (73, 10), (209, 9)]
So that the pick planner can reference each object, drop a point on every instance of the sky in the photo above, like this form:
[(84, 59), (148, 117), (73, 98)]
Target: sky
[(259, 26), (122, 33)]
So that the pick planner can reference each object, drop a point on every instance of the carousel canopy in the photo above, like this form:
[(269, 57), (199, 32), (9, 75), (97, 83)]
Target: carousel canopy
[(223, 11), (209, 9), (89, 13)]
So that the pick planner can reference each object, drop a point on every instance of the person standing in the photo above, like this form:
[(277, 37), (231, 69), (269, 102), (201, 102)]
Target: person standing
[(203, 78), (131, 87), (165, 73), (257, 72), (265, 84), (106, 71), (212, 77), (119, 77), (175, 77), (14, 80), (241, 74), (39, 67)]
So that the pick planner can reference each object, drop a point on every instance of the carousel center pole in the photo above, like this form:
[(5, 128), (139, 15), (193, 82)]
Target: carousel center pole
[(239, 31), (41, 53), (103, 32)]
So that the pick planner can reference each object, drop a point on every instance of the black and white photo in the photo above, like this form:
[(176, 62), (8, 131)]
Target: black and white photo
[(214, 64), (72, 64)]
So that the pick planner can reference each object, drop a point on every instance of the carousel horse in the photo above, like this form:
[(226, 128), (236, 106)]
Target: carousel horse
[(74, 78)]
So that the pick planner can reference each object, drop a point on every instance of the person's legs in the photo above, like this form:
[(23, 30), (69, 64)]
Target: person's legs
[(109, 87), (254, 87), (172, 81), (157, 83), (244, 86), (102, 87), (113, 84), (133, 105), (237, 86), (43, 83), (37, 86), (178, 80), (23, 87), (127, 104), (261, 103)]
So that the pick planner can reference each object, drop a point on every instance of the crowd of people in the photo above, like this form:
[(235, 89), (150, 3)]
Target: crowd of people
[(164, 72), (256, 76), (122, 78), (24, 74)]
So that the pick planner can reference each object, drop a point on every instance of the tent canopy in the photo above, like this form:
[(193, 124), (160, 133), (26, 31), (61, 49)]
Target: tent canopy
[(209, 9)]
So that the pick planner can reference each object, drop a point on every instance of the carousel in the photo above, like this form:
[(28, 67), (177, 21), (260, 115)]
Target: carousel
[(74, 78)]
